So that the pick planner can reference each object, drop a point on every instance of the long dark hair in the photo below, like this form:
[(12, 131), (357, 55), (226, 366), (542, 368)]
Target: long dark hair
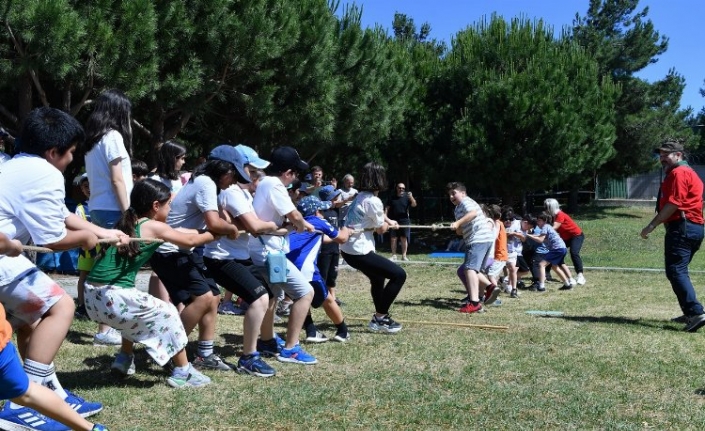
[(373, 177), (143, 195), (214, 169), (112, 111), (166, 159)]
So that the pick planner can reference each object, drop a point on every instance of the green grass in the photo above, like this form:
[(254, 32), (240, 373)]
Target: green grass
[(613, 361)]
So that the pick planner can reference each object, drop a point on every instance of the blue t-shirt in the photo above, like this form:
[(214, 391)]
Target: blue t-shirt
[(304, 247), (553, 241)]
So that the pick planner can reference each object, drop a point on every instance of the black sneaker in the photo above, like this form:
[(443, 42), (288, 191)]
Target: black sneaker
[(268, 348), (566, 287), (81, 312), (385, 324), (695, 322), (521, 285), (514, 294)]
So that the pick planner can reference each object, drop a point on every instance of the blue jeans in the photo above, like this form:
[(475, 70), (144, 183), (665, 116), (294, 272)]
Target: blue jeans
[(682, 241), (105, 219)]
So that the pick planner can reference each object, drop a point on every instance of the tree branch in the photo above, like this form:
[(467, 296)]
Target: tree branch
[(9, 115), (32, 73), (142, 129)]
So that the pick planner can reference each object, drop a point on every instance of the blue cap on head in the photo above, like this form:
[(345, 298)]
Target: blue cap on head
[(228, 153), (310, 204), (328, 193), (251, 157)]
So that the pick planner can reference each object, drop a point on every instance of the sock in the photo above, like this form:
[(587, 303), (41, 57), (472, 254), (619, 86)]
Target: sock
[(541, 285), (181, 371), (475, 302), (309, 326), (342, 328), (44, 375), (205, 348)]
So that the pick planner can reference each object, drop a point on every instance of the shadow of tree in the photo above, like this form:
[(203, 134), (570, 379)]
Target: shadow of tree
[(658, 324)]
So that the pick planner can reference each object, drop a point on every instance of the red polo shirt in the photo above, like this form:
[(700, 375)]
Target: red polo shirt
[(684, 189)]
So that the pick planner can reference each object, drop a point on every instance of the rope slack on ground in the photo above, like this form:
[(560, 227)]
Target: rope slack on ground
[(429, 323), (39, 249)]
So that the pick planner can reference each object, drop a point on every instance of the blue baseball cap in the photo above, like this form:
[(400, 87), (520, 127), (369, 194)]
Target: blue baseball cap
[(328, 193), (251, 157), (310, 204), (228, 153)]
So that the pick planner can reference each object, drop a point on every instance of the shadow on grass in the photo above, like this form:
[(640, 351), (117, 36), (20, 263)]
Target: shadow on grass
[(97, 373), (79, 338), (437, 303), (597, 213), (658, 324)]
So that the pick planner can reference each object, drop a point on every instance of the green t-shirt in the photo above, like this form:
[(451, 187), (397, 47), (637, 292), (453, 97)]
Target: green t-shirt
[(118, 270)]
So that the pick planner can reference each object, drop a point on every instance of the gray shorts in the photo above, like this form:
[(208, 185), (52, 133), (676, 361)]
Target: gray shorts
[(296, 285), (476, 255)]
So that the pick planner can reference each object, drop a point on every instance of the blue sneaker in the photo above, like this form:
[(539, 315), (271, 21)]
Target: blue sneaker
[(82, 407), (99, 427), (270, 348), (296, 355), (280, 341), (24, 418), (254, 365)]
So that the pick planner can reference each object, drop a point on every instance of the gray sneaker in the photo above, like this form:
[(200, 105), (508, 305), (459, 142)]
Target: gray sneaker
[(123, 365), (211, 362), (192, 379), (694, 323), (680, 319)]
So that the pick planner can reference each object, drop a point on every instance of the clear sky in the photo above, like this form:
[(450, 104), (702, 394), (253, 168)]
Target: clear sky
[(679, 20)]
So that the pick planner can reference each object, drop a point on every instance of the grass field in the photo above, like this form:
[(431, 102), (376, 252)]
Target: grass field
[(612, 361)]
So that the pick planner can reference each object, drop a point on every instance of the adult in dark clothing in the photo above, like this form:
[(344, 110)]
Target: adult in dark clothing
[(397, 208)]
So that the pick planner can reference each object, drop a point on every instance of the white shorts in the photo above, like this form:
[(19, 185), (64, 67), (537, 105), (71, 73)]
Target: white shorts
[(29, 297), (496, 268), (140, 317), (296, 285), (512, 259)]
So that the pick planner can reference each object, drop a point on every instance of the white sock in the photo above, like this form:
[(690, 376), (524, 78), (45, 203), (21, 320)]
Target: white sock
[(181, 371), (205, 348), (44, 375)]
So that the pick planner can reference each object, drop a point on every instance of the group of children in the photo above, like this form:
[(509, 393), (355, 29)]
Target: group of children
[(500, 248)]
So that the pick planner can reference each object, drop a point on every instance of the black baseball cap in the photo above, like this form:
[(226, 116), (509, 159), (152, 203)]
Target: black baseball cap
[(285, 158), (670, 147)]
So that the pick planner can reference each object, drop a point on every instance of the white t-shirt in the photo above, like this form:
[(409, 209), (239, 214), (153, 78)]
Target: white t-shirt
[(110, 148), (174, 185), (237, 202), (4, 157), (31, 206), (188, 206), (478, 230), (271, 203), (366, 212)]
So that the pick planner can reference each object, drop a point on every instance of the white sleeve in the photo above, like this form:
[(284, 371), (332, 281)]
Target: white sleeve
[(114, 146), (45, 218), (281, 200), (207, 195)]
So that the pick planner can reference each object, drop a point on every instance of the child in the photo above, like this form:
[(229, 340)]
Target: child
[(112, 299), (272, 203), (570, 233), (32, 206), (180, 268), (472, 224), (514, 249), (140, 170), (329, 256), (551, 250), (303, 252), (15, 385), (366, 215), (500, 257), (229, 262), (106, 336)]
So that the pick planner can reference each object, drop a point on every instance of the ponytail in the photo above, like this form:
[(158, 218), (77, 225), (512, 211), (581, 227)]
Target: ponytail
[(128, 224)]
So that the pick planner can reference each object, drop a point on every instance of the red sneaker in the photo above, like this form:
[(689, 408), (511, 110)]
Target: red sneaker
[(491, 294), (470, 308)]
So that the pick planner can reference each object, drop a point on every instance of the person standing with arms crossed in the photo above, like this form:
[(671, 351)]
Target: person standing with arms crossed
[(680, 209), (398, 209)]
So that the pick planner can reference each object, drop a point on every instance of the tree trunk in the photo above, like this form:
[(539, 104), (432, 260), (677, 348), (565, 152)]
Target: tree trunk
[(24, 97)]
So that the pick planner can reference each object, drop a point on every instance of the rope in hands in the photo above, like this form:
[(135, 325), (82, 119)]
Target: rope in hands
[(39, 249)]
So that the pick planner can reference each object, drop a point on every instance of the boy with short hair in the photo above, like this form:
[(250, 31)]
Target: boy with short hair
[(32, 206), (472, 224), (272, 203)]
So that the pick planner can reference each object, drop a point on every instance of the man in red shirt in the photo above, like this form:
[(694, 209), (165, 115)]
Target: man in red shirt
[(680, 209)]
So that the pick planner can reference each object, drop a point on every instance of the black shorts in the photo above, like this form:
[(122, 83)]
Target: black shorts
[(239, 277), (404, 232), (184, 275), (328, 267)]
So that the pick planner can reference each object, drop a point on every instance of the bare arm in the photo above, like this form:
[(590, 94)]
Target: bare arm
[(118, 183), (219, 226), (297, 220), (467, 218), (10, 247), (343, 235), (253, 224), (666, 212), (193, 238)]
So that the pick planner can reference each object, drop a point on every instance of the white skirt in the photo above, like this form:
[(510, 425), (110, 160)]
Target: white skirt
[(140, 317)]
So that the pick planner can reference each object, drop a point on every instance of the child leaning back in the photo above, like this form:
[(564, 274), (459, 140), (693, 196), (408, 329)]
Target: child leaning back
[(111, 297), (470, 221)]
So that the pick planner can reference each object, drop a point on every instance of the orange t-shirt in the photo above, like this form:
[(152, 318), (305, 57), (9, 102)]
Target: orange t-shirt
[(5, 329), (500, 245)]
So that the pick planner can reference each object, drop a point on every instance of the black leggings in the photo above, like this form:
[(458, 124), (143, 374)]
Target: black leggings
[(378, 269)]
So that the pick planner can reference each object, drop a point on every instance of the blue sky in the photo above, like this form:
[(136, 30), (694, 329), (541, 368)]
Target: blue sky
[(679, 20)]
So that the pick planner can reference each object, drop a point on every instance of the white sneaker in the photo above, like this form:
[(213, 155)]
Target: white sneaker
[(572, 282), (581, 279), (111, 337), (318, 337), (394, 257), (508, 289)]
